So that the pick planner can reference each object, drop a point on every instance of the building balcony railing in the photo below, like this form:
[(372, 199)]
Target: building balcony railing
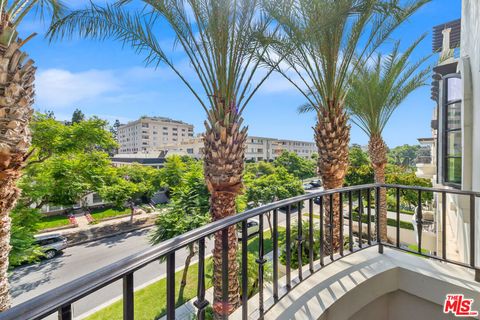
[(60, 300)]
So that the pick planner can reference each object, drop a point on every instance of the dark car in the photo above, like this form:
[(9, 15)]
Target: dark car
[(52, 244), (316, 183)]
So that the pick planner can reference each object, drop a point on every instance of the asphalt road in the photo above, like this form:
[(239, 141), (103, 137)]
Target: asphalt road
[(32, 280)]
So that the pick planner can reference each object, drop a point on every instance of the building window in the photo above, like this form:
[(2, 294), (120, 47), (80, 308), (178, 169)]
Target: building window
[(452, 132)]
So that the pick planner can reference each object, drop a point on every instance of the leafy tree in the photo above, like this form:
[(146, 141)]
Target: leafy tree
[(220, 39), (189, 209), (320, 44), (17, 93), (77, 116), (132, 183), (296, 165), (272, 187), (66, 163), (305, 246), (357, 157), (172, 172), (258, 169), (399, 175), (24, 226), (404, 155), (114, 129), (359, 175)]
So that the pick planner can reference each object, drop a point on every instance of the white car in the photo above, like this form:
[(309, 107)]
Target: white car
[(252, 228)]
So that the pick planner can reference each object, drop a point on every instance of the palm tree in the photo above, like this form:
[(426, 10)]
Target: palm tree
[(376, 90), (17, 73), (318, 43), (219, 38)]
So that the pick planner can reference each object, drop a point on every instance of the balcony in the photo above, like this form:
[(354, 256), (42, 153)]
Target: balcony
[(366, 278)]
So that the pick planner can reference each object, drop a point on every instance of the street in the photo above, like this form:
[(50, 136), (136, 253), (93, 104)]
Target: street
[(32, 280)]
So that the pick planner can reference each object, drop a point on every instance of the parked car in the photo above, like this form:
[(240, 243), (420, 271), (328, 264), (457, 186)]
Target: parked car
[(316, 183), (52, 244), (308, 186), (252, 228)]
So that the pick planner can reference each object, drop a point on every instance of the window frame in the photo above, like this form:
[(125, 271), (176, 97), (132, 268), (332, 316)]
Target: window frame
[(445, 131)]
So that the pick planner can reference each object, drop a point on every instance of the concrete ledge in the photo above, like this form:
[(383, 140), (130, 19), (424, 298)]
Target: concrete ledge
[(343, 288)]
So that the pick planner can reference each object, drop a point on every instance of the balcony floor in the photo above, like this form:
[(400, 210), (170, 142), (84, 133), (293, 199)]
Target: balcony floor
[(341, 289)]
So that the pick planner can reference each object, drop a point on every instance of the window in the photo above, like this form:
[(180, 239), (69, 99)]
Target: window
[(452, 130)]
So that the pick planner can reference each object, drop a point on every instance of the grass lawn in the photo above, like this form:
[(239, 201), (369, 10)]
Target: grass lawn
[(52, 222), (390, 222), (99, 214), (150, 302)]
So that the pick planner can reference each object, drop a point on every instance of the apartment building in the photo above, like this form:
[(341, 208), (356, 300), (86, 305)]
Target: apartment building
[(455, 142), (148, 133), (256, 149)]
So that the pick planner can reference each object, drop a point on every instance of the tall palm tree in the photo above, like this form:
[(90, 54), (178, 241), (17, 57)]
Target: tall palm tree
[(219, 38), (17, 73), (376, 90), (318, 43)]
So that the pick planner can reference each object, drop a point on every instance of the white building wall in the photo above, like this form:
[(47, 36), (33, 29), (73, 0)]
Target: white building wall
[(470, 56)]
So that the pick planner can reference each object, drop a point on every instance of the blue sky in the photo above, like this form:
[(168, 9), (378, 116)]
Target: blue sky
[(105, 79)]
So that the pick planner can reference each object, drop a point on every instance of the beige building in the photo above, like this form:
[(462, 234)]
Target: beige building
[(257, 148), (150, 133)]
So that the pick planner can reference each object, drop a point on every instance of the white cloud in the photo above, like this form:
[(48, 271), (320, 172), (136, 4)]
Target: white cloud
[(62, 88)]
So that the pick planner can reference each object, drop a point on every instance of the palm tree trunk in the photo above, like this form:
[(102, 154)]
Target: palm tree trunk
[(224, 161), (332, 136), (16, 99), (377, 151)]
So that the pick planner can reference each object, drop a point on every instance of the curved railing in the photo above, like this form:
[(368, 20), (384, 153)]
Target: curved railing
[(60, 299)]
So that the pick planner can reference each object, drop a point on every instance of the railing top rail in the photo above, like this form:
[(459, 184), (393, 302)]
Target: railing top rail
[(48, 302), (440, 190)]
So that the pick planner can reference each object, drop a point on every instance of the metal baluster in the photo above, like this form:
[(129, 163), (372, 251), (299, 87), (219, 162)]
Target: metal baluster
[(275, 255), (299, 241), (201, 303), (288, 250), (225, 301), (128, 296), (331, 227), (322, 233), (244, 270), (341, 223), (65, 312), (350, 222), (369, 219), (472, 231), (310, 233), (398, 217), (360, 216), (377, 219), (419, 221), (444, 226), (171, 286), (261, 262)]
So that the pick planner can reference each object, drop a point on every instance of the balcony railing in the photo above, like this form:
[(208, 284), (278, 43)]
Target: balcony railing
[(60, 300)]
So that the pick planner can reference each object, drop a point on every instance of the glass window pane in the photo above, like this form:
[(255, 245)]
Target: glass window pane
[(454, 119), (454, 89), (454, 144), (454, 170)]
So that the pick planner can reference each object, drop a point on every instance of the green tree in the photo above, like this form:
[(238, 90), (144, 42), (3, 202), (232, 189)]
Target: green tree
[(399, 175), (77, 116), (189, 209), (66, 163), (320, 44), (220, 39), (376, 91), (357, 157), (305, 245), (404, 155), (271, 187), (172, 172), (296, 165)]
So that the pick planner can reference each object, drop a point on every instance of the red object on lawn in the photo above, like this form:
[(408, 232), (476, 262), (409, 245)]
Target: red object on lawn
[(72, 220), (89, 217)]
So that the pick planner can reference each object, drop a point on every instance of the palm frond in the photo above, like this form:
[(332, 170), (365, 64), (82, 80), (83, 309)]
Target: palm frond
[(376, 90)]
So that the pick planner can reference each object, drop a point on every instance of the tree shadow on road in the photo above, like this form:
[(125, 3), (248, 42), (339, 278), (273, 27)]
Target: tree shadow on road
[(118, 239)]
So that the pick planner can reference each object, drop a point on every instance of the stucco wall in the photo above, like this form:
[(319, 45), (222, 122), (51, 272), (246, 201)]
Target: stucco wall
[(470, 50)]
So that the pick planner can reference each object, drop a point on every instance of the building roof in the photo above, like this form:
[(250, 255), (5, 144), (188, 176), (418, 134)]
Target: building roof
[(437, 37)]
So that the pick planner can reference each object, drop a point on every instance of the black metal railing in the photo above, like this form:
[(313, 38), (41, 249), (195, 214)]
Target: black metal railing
[(320, 207)]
